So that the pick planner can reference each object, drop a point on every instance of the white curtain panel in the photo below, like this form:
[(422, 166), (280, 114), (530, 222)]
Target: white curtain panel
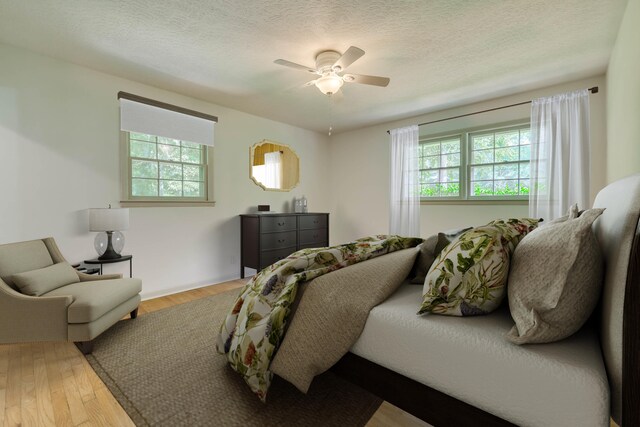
[(405, 189), (273, 170), (559, 154)]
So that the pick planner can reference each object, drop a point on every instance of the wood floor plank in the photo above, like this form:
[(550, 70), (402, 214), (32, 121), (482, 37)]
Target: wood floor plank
[(178, 299), (98, 415), (82, 380), (155, 304), (61, 412), (12, 409), (43, 390), (4, 368), (113, 411), (12, 417), (3, 394), (94, 379), (28, 405), (71, 391), (4, 365), (389, 415), (197, 293)]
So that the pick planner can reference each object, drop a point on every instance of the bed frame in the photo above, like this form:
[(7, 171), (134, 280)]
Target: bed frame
[(440, 409)]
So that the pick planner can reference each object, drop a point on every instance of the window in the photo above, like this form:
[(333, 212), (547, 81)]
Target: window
[(440, 162), (499, 163), (166, 168), (166, 154), (486, 164)]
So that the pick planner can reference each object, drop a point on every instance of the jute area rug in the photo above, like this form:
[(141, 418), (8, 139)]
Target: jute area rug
[(164, 370)]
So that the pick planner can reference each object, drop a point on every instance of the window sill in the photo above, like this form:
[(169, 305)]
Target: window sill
[(474, 202), (164, 203)]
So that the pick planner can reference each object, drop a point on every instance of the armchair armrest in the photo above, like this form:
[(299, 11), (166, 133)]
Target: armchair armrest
[(92, 278), (25, 318)]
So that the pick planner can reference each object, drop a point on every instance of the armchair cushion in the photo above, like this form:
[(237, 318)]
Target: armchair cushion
[(22, 256), (43, 280), (91, 300)]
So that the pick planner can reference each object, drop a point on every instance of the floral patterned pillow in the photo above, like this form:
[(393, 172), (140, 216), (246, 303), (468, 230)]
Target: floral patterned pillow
[(468, 277)]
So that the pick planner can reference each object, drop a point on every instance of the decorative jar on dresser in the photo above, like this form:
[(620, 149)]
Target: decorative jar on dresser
[(267, 238)]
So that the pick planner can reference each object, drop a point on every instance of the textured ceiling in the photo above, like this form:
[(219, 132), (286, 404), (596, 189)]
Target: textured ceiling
[(438, 53)]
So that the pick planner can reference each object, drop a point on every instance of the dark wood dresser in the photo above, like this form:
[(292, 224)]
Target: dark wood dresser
[(267, 238)]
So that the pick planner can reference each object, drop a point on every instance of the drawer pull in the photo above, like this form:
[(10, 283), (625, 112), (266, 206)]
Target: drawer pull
[(315, 236), (281, 224), (315, 221), (281, 240)]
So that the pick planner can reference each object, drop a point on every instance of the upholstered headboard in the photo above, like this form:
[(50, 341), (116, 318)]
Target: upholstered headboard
[(618, 233)]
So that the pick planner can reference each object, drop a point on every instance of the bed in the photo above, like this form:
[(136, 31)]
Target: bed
[(461, 371), (361, 322)]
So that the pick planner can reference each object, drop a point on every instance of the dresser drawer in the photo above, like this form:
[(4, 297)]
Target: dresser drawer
[(280, 240), (313, 221), (269, 238), (313, 238), (269, 224), (269, 257)]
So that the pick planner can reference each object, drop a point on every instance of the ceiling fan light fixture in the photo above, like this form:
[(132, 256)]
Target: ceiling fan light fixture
[(329, 84), (330, 65)]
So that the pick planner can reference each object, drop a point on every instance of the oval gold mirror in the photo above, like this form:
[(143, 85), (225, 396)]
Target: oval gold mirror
[(274, 166)]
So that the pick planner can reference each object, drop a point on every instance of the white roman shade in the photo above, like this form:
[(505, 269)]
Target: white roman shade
[(142, 115)]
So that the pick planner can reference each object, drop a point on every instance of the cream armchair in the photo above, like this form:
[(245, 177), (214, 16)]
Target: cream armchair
[(76, 312)]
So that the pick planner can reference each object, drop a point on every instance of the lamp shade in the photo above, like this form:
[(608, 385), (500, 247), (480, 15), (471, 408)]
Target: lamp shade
[(329, 84), (108, 219)]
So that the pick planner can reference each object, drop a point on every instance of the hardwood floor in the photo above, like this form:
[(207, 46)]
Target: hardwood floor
[(52, 384)]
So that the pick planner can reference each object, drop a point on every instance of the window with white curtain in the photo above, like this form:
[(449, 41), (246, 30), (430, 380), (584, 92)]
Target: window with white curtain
[(273, 169), (488, 163), (270, 173), (167, 153), (560, 153)]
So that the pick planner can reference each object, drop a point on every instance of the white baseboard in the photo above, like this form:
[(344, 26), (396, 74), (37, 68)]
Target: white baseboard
[(176, 290)]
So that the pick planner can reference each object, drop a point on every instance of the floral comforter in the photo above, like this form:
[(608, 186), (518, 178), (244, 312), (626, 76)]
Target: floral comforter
[(255, 326)]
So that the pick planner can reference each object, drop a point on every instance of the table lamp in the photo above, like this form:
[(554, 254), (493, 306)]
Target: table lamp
[(108, 222)]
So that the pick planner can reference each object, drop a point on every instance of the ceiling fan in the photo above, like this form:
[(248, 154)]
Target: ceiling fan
[(330, 66)]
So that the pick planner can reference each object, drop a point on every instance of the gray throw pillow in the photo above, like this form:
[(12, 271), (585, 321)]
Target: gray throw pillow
[(429, 250), (43, 280), (555, 279)]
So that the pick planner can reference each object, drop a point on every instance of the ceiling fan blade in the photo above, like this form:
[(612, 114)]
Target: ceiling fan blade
[(310, 83), (349, 57), (366, 80), (294, 65)]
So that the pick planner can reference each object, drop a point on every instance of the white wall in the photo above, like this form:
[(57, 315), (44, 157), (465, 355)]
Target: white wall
[(623, 100), (59, 139), (360, 165), (59, 133)]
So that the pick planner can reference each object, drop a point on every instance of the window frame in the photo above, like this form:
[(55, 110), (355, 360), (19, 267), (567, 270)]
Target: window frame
[(147, 201), (465, 165)]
